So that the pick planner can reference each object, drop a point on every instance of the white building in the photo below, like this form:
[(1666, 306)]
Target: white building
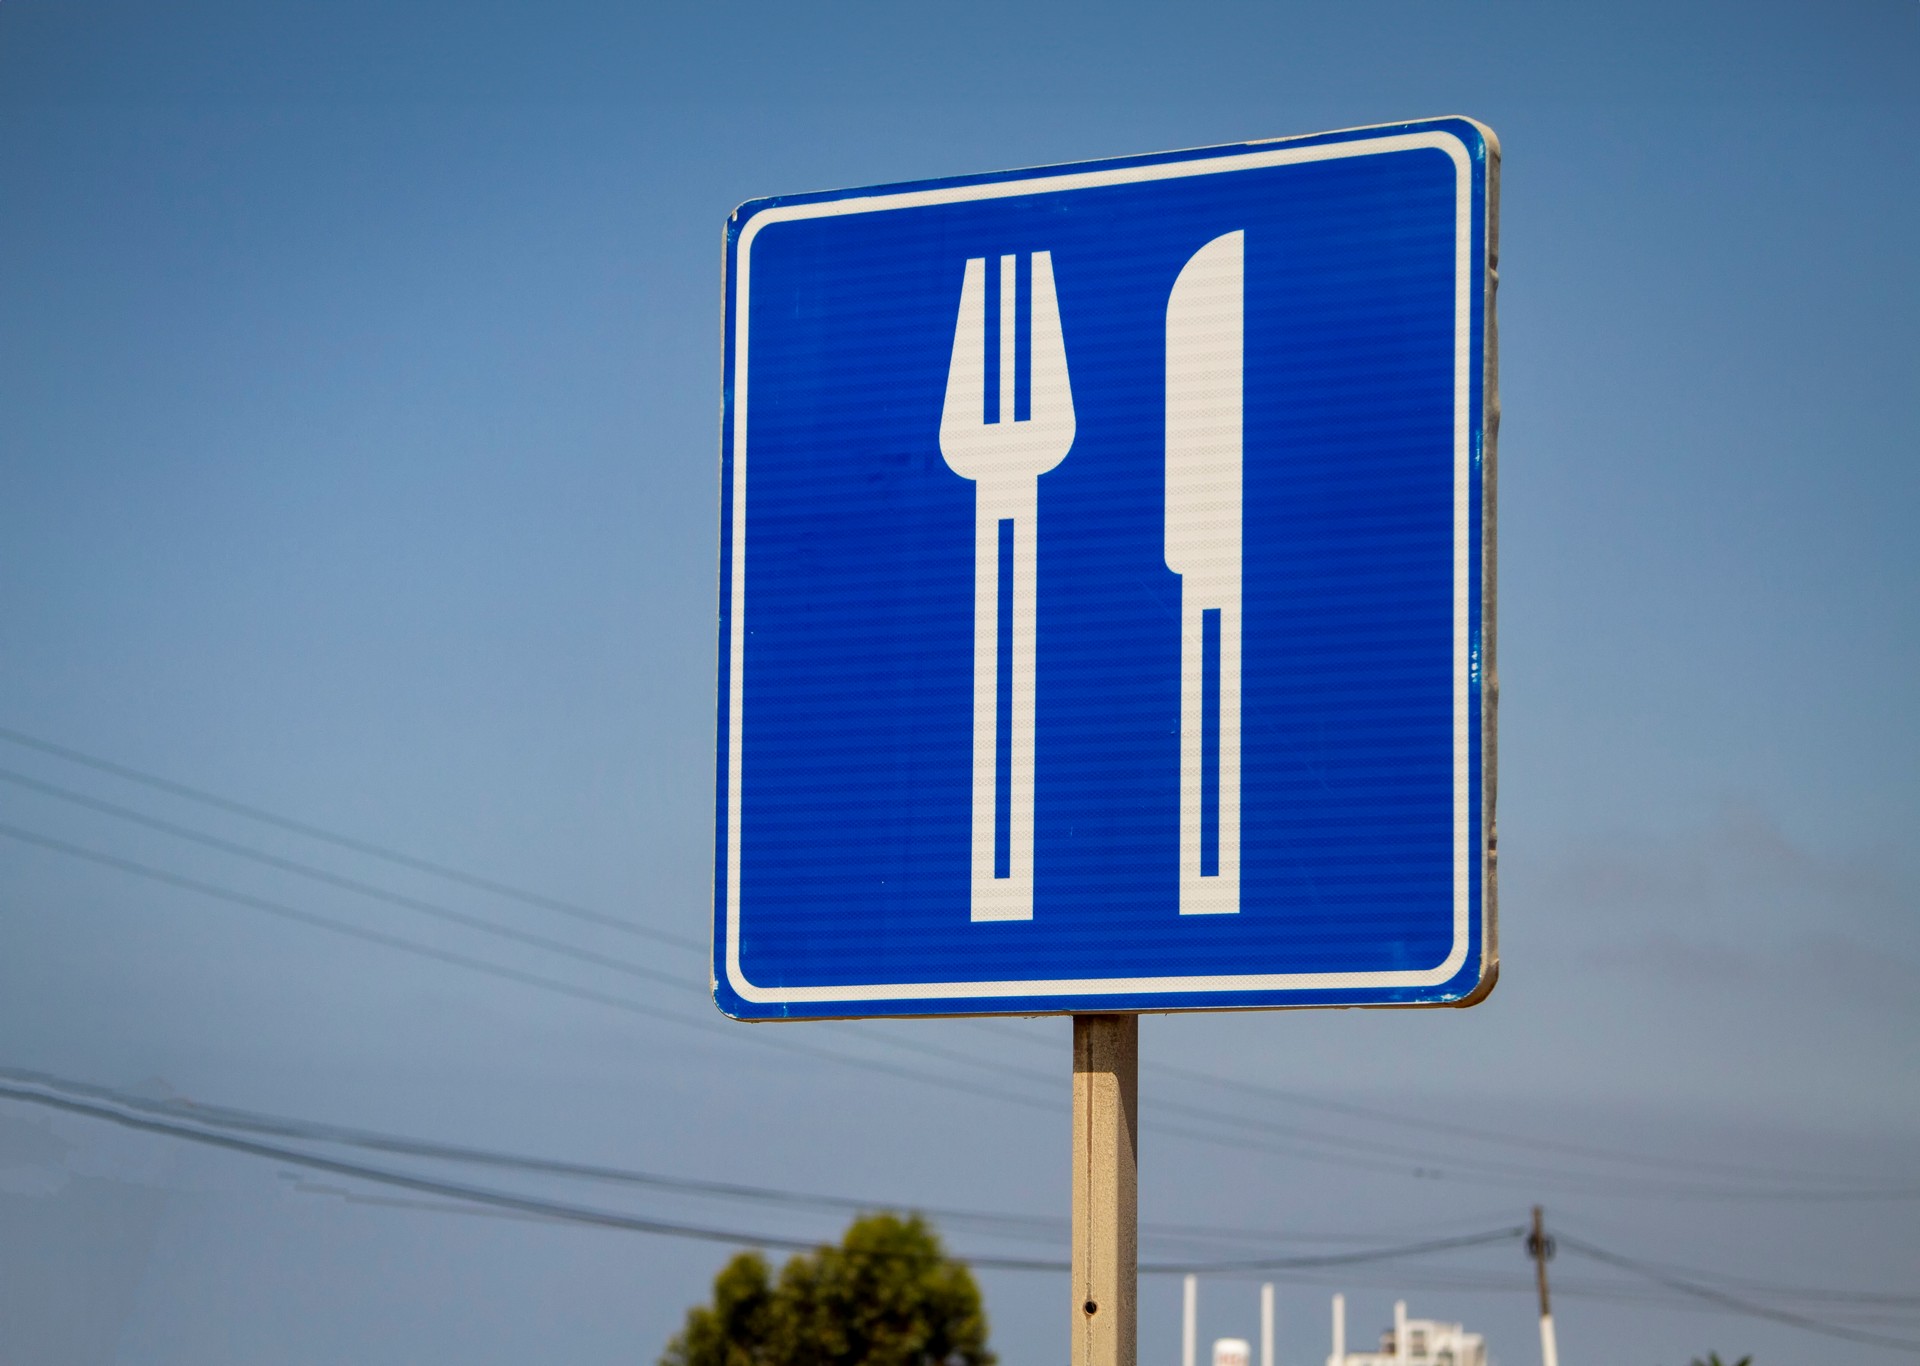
[(1410, 1342)]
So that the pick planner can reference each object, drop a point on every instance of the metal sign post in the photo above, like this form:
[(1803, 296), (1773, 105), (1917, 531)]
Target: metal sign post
[(1106, 605)]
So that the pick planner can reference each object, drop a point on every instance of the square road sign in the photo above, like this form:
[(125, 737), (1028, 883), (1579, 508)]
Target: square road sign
[(1106, 586)]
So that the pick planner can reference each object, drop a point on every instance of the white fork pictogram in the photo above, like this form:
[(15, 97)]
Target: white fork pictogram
[(1005, 459)]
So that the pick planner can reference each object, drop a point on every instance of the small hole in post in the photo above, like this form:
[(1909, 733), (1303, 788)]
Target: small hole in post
[(1091, 1307)]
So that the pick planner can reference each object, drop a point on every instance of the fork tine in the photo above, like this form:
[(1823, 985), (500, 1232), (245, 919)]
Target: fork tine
[(1009, 327), (1052, 398), (967, 374)]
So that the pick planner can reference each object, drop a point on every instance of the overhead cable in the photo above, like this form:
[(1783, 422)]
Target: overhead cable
[(1435, 1168), (1431, 1124), (1733, 1302), (366, 889), (535, 980), (254, 1122), (358, 846), (1492, 1173), (604, 1218)]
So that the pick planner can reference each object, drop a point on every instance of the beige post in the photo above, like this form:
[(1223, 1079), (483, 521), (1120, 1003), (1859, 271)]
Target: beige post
[(1106, 1224)]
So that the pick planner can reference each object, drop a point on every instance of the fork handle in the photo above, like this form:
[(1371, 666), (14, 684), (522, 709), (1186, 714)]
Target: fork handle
[(1004, 561)]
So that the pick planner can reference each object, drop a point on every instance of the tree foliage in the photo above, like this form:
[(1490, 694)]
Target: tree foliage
[(888, 1295), (1713, 1359)]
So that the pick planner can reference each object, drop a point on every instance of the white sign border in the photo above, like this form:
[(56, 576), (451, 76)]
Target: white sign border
[(1465, 858)]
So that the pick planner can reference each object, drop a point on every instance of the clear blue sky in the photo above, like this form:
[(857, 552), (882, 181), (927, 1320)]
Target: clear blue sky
[(359, 382)]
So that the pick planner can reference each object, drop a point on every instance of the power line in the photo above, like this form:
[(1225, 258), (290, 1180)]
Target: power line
[(320, 922), (542, 1208), (455, 917), (1336, 1259), (248, 1121), (1198, 1135), (1575, 1149), (1506, 1175), (1346, 1147), (1427, 1163), (528, 979), (539, 982), (395, 942), (1837, 1297), (532, 1207), (1479, 1171), (1733, 1302), (603, 1218), (482, 1195), (1516, 1284), (366, 889), (1427, 1124), (358, 846)]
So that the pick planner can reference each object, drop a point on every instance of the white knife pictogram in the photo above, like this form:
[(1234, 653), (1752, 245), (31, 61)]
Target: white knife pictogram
[(1205, 377)]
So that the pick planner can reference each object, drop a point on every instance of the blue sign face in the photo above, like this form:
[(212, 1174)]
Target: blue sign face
[(1106, 583)]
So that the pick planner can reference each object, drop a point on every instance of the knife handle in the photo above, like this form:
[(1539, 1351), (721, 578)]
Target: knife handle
[(1209, 751)]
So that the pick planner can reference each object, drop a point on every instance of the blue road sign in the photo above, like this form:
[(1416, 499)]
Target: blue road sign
[(1106, 586)]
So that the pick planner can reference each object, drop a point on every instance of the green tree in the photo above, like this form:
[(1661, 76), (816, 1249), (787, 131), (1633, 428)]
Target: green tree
[(737, 1328), (888, 1295)]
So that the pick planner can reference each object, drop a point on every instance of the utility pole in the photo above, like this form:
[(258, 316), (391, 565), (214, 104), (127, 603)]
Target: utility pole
[(1540, 1248), (1106, 1224)]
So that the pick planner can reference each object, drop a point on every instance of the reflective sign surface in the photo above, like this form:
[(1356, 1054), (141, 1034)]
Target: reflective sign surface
[(1105, 584)]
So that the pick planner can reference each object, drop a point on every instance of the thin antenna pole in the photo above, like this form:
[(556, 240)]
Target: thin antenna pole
[(1189, 1320)]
